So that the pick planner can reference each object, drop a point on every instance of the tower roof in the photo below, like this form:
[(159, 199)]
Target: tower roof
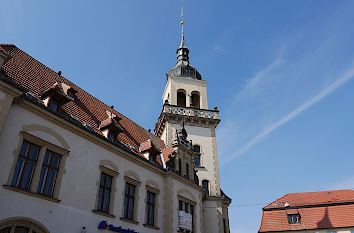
[(183, 69)]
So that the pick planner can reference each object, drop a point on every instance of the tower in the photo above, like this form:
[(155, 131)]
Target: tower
[(185, 105)]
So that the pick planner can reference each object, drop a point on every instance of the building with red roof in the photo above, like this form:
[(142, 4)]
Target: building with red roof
[(325, 211), (71, 163)]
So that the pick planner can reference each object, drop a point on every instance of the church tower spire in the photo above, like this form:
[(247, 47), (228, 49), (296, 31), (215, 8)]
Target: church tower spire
[(182, 51), (185, 114)]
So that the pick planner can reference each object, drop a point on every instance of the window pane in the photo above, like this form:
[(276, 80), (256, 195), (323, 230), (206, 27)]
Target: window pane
[(41, 180), (5, 230), (27, 176), (147, 213), (152, 198), (55, 161), (151, 220), (46, 158), (33, 152), (127, 189), (24, 148), (126, 207), (50, 182), (197, 148), (17, 172), (205, 185), (130, 208), (197, 160), (102, 179), (21, 230), (180, 205), (132, 190), (108, 181), (106, 200), (53, 104), (100, 197)]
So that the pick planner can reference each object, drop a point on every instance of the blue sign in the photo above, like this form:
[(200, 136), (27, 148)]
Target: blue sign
[(104, 226)]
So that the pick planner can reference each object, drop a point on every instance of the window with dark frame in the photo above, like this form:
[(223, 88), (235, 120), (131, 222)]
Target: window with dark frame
[(205, 184), (294, 218), (197, 157), (53, 104), (129, 201), (104, 193), (48, 173), (150, 208), (152, 157), (71, 95), (188, 208), (111, 136), (25, 165), (180, 205)]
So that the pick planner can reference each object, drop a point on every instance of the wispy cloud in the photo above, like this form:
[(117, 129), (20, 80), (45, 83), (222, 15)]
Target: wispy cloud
[(344, 78), (252, 86)]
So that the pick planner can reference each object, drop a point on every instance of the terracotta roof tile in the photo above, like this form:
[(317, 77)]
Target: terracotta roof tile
[(312, 198), (36, 77), (318, 210)]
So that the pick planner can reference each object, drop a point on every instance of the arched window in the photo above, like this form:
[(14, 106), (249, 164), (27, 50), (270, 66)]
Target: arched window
[(205, 184), (181, 98), (21, 225), (195, 99)]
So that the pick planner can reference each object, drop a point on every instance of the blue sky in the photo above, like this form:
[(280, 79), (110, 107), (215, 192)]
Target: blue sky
[(281, 73)]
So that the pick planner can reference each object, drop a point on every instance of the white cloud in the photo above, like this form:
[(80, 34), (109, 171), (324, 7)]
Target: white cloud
[(348, 75)]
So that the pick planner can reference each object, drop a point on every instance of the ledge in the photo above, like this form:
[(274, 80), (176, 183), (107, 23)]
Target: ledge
[(151, 227), (103, 213), (30, 193), (129, 220)]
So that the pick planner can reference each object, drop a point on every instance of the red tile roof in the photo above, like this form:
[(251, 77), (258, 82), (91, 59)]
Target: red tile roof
[(318, 210), (36, 77), (313, 198)]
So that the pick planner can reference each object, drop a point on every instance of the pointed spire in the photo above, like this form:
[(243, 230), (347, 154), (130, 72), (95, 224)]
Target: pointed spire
[(182, 51), (183, 43)]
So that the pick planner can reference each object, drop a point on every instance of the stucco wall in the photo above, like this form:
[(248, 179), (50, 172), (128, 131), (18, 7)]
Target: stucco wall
[(203, 137), (79, 183)]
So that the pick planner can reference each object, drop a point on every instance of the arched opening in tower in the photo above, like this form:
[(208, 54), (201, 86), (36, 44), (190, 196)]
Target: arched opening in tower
[(181, 98), (195, 99)]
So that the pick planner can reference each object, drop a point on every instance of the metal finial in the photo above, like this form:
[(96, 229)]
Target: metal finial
[(183, 44)]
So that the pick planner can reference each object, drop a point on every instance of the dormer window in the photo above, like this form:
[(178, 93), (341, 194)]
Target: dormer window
[(152, 157), (54, 97), (112, 136), (110, 127), (71, 95), (294, 218), (53, 104)]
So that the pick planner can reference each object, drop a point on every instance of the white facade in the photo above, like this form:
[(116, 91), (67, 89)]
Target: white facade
[(78, 188)]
